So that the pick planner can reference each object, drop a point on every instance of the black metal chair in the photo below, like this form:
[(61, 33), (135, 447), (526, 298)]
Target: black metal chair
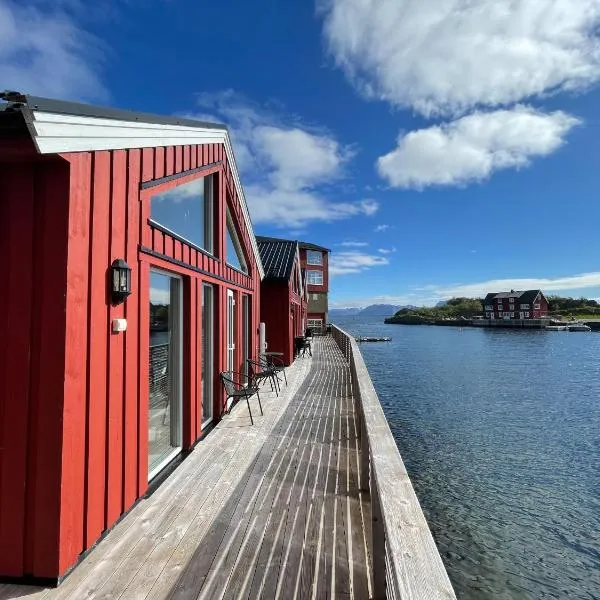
[(275, 363), (234, 388), (258, 371), (303, 343)]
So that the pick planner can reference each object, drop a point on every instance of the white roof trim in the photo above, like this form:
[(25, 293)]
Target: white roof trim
[(53, 133)]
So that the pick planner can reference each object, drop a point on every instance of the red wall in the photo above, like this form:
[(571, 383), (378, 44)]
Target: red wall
[(74, 396), (533, 314), (324, 267), (33, 245), (279, 301)]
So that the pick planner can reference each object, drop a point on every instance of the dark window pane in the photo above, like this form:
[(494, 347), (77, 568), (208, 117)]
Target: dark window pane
[(235, 256), (187, 211)]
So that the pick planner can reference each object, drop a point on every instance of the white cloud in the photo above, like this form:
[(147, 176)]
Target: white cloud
[(295, 208), (369, 207), (380, 228), (345, 263), (556, 284), (43, 51), (354, 244), (297, 158), (387, 250), (159, 296), (448, 56), (473, 147), (187, 191), (289, 168)]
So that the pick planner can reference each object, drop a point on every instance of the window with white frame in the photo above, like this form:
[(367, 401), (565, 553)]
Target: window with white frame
[(536, 307), (315, 323), (187, 211), (512, 314), (488, 307), (314, 257), (489, 315), (315, 277), (524, 306), (526, 313)]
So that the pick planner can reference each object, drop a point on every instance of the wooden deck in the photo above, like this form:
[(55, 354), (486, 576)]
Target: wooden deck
[(265, 511)]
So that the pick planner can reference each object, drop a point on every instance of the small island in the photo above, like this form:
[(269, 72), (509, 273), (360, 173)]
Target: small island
[(471, 311), (456, 309)]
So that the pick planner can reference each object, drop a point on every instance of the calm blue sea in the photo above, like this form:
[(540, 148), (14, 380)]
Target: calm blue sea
[(500, 432)]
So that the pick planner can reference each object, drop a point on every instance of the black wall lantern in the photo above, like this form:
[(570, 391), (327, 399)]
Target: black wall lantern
[(120, 281)]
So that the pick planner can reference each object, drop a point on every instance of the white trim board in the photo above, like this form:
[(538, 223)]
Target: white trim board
[(54, 133)]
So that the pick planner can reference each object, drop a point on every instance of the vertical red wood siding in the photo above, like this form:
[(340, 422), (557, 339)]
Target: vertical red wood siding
[(17, 245), (132, 356), (283, 311), (33, 214), (98, 349), (75, 388), (73, 395)]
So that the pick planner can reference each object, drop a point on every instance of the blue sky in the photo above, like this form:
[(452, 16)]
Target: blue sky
[(438, 147)]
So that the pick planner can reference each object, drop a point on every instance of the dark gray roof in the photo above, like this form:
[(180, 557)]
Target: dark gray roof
[(277, 257), (305, 245), (511, 294), (529, 296), (17, 101), (524, 297), (309, 246)]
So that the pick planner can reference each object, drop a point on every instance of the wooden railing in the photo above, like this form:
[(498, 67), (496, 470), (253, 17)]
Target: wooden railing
[(405, 561)]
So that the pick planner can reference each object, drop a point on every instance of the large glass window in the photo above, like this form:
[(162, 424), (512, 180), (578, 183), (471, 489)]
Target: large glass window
[(315, 277), (208, 343), (187, 210), (235, 255), (313, 257), (165, 410)]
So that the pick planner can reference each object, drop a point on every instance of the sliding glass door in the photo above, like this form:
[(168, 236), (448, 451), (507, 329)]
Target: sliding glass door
[(208, 345), (165, 362), (230, 335), (245, 334)]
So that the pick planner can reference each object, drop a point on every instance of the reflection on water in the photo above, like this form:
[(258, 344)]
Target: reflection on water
[(500, 432)]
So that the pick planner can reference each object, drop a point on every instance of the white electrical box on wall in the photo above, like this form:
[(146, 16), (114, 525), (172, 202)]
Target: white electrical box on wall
[(119, 325)]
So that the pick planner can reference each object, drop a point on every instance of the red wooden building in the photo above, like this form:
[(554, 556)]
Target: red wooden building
[(530, 304), (283, 306), (315, 260), (97, 395)]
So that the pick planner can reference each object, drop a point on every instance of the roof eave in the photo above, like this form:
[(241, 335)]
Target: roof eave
[(57, 126)]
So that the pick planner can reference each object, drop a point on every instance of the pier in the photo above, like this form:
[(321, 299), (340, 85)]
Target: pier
[(313, 501)]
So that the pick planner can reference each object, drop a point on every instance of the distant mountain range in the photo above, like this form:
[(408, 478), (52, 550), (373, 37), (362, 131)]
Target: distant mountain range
[(373, 310)]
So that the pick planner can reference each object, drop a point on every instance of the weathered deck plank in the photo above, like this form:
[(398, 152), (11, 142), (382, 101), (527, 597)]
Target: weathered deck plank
[(270, 511)]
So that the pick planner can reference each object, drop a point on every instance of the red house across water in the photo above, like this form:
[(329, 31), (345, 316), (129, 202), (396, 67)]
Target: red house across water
[(108, 375), (530, 304)]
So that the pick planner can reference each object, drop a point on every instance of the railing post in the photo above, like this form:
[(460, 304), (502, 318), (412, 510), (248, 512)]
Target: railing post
[(377, 543)]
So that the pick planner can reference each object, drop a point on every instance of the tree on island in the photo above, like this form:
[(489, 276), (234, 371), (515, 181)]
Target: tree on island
[(453, 309)]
